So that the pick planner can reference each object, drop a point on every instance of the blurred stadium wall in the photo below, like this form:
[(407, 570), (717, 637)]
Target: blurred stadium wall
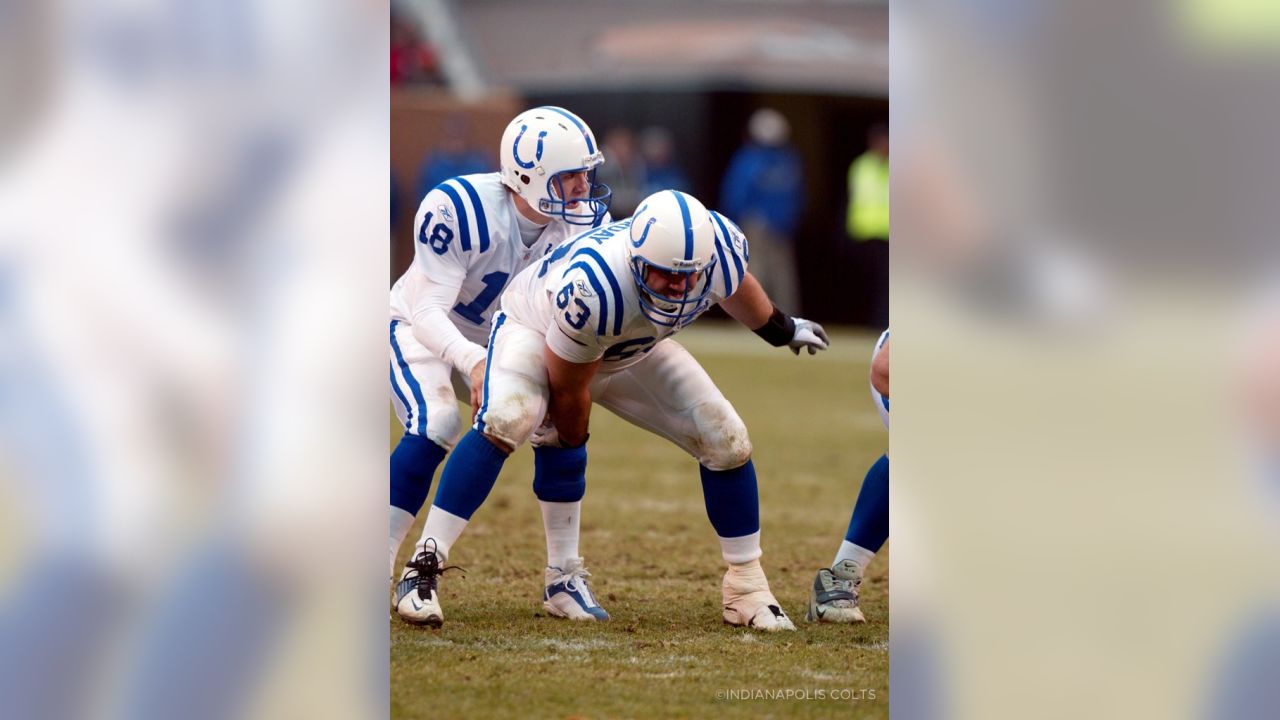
[(699, 70)]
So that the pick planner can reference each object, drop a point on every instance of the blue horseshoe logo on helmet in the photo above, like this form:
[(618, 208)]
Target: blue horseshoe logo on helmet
[(644, 233), (515, 148)]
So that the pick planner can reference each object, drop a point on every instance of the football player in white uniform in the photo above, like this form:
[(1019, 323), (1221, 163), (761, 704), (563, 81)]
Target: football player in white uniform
[(593, 322), (473, 234), (833, 597)]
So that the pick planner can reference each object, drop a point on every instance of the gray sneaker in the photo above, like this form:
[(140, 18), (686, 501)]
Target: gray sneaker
[(834, 596)]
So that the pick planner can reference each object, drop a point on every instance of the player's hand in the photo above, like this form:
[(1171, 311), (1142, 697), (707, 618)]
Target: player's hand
[(808, 335), (477, 388)]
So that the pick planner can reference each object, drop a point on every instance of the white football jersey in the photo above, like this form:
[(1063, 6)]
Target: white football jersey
[(585, 297), (466, 236)]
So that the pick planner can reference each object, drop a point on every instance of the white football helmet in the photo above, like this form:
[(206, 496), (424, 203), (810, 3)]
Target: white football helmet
[(672, 232), (541, 144)]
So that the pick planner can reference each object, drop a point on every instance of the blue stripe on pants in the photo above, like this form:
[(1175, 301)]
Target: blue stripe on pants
[(412, 382), (395, 386), (498, 319)]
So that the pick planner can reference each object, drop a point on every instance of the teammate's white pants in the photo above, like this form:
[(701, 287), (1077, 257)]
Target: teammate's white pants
[(667, 393), (882, 402), (425, 390)]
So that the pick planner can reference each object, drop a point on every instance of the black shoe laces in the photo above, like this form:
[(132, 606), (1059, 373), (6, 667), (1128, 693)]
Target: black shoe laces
[(425, 570)]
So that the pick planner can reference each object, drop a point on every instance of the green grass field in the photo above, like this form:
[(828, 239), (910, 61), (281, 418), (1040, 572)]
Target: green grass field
[(657, 567)]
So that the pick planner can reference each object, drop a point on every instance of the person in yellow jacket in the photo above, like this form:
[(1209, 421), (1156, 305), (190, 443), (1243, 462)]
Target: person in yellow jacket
[(868, 220), (869, 188)]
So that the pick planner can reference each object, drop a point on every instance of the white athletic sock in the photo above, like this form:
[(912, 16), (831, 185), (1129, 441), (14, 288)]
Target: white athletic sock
[(560, 522), (445, 528), (738, 550), (856, 553), (401, 521)]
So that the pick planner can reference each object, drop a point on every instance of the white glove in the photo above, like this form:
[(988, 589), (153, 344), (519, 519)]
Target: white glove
[(808, 334)]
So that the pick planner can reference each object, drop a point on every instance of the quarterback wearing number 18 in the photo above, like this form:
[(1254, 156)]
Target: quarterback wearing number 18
[(472, 235)]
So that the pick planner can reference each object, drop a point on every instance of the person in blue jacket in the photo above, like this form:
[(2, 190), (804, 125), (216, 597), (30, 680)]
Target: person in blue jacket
[(764, 189)]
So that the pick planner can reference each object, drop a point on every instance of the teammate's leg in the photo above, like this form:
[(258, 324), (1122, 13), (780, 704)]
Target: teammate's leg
[(834, 595), (514, 403), (869, 525), (560, 481), (669, 394), (424, 402)]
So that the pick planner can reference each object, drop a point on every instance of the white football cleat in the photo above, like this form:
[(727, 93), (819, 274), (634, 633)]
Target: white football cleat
[(834, 595), (417, 602), (565, 593), (748, 601)]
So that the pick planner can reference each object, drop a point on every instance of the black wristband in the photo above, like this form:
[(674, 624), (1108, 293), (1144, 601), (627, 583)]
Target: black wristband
[(778, 329)]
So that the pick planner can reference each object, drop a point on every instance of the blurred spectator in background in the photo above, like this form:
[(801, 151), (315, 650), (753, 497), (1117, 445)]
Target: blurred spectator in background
[(763, 192), (623, 170), (868, 220), (661, 171), (454, 156), (412, 60), (869, 188)]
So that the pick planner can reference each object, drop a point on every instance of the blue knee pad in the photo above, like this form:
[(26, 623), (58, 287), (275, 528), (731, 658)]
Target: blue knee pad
[(733, 501), (413, 464), (560, 474)]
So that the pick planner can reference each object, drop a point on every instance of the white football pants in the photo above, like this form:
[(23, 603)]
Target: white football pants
[(667, 393), (425, 390)]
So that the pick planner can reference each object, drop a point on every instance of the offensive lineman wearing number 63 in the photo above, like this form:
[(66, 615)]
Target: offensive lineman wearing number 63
[(593, 322), (472, 235)]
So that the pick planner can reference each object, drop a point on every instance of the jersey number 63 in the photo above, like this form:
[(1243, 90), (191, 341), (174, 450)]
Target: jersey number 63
[(562, 302)]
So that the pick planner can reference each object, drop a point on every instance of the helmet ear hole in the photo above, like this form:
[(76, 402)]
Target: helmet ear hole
[(524, 179)]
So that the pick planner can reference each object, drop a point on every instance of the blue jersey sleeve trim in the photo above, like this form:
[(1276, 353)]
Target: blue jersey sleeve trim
[(602, 323), (728, 286), (728, 241), (482, 223), (745, 255), (464, 227), (613, 285)]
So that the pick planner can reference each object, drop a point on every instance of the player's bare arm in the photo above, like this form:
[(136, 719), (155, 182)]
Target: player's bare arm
[(751, 306), (880, 370), (569, 402)]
